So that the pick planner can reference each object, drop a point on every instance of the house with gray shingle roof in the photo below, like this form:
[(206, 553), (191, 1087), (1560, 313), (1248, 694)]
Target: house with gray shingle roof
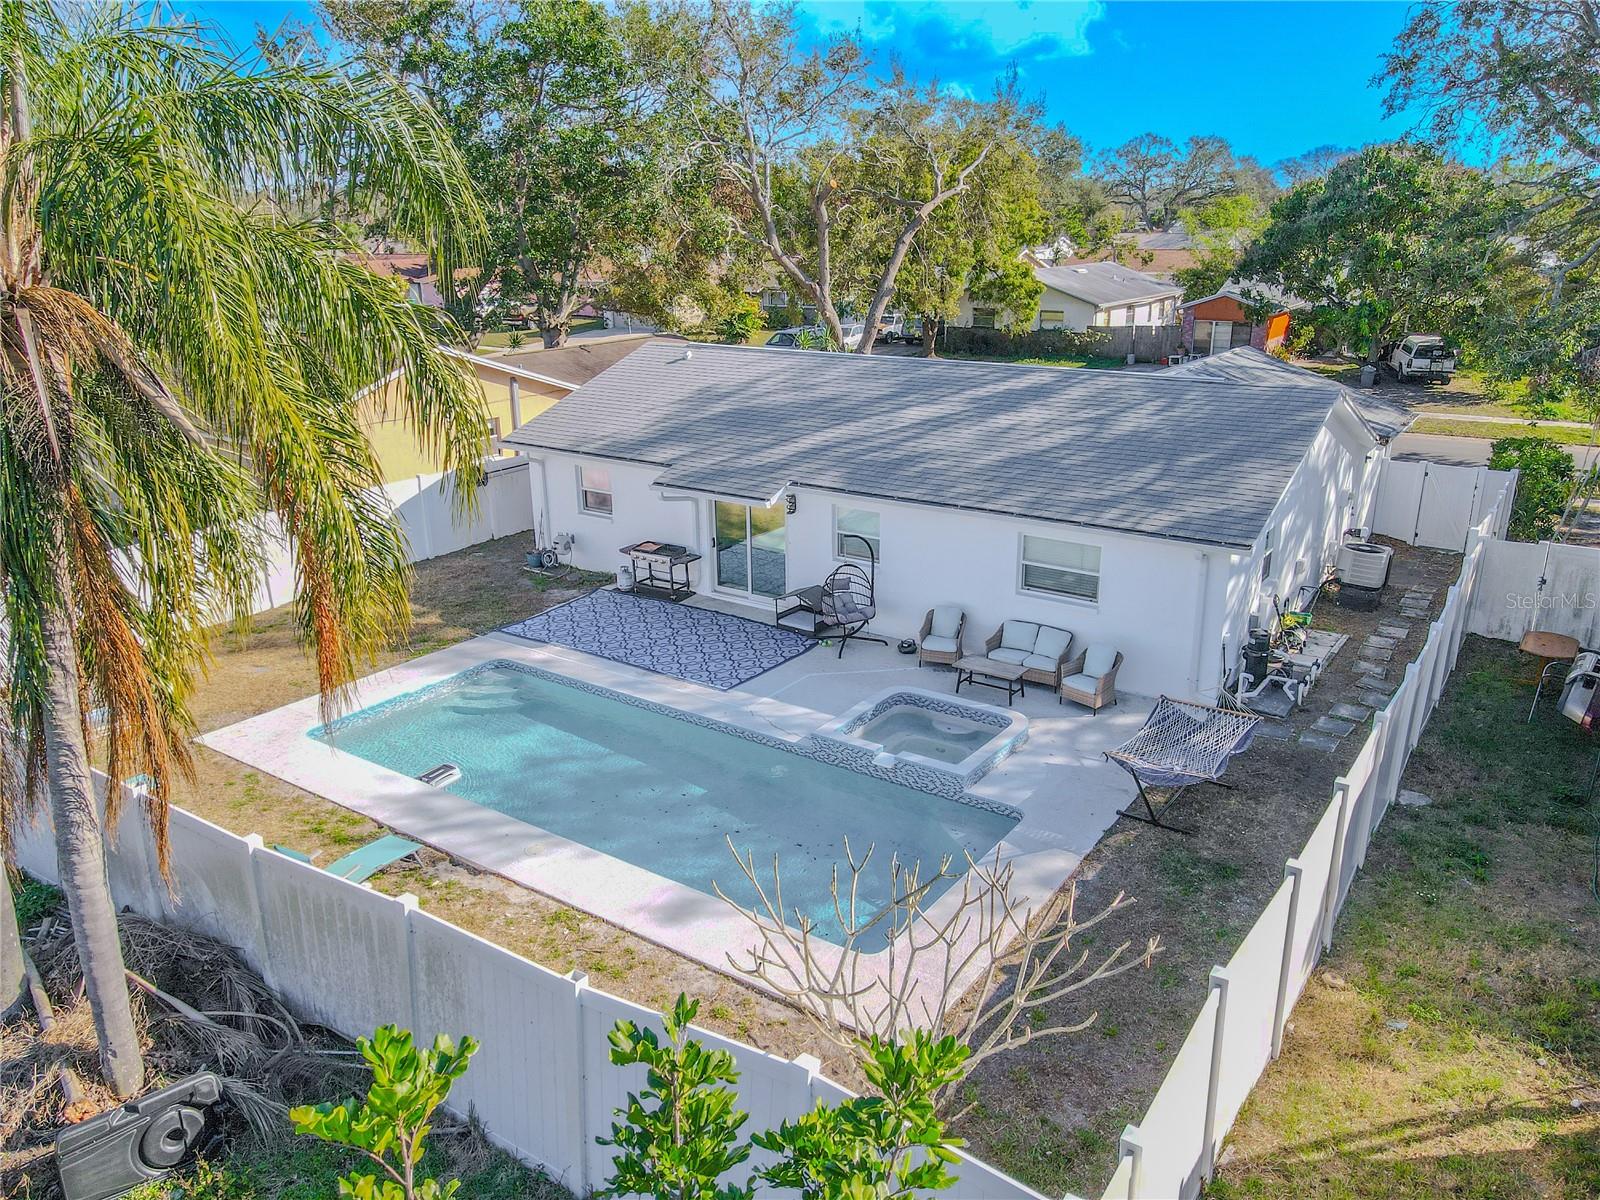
[(1088, 295), (1148, 510)]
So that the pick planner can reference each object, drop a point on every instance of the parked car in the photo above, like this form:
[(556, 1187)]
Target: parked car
[(1420, 356), (911, 331), (792, 337), (802, 337), (889, 327)]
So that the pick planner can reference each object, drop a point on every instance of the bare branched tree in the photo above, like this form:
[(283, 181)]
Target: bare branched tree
[(836, 172), (975, 965)]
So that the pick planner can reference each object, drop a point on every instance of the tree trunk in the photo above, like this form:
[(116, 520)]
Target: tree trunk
[(81, 857), (13, 980), (930, 334), (1375, 345), (554, 335)]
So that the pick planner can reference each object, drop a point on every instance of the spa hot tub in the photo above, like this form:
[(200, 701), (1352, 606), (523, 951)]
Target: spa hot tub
[(923, 739)]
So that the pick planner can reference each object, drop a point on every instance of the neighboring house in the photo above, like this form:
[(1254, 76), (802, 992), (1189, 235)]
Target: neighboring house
[(1157, 252), (1221, 321), (1088, 295), (1152, 511), (511, 393)]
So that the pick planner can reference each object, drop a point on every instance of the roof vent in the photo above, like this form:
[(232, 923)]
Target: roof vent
[(1081, 270)]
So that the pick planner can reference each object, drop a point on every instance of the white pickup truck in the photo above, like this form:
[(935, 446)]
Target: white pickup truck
[(1421, 356)]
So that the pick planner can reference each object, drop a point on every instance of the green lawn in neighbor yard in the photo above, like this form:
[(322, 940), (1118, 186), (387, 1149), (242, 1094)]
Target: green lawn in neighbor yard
[(1450, 1043), (1491, 430), (500, 339), (1093, 362)]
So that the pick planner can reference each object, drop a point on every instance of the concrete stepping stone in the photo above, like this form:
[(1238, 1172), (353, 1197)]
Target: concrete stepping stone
[(1379, 641), (1377, 653), (1398, 632), (1320, 741), (1333, 725), (1275, 730), (1370, 669), (1410, 799), (1350, 712), (1374, 699)]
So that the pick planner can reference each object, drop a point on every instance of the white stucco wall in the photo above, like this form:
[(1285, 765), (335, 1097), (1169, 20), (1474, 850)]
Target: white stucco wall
[(1178, 611), (638, 512), (1331, 491)]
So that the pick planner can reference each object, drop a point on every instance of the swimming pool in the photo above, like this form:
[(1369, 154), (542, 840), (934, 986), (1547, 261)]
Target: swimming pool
[(664, 791)]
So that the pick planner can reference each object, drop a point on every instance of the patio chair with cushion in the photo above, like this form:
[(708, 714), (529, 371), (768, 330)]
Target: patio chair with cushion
[(940, 640), (1090, 679), (1040, 649)]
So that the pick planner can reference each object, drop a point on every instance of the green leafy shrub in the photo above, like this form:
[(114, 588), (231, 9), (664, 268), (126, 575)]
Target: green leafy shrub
[(679, 1135), (1037, 343), (887, 1146), (1543, 487), (390, 1126)]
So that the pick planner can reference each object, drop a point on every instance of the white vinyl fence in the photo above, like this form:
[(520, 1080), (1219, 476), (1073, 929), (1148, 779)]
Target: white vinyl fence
[(1547, 586), (1436, 504), (352, 958), (1240, 1028), (424, 508)]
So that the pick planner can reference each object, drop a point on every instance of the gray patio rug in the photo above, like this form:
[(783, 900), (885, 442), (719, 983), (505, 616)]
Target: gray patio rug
[(705, 647)]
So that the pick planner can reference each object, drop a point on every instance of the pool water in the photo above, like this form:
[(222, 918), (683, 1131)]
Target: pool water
[(910, 730), (662, 793)]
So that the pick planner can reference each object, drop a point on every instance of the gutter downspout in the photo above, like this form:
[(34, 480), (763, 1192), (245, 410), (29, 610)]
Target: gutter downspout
[(693, 502), (1200, 622)]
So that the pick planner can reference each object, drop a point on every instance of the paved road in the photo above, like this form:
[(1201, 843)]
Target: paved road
[(1468, 452)]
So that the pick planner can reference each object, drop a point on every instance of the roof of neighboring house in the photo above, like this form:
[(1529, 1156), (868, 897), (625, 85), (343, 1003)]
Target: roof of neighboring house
[(1248, 291), (1246, 364), (1105, 283), (1140, 452), (581, 359)]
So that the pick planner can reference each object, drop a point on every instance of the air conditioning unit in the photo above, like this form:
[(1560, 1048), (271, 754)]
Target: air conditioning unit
[(1363, 564)]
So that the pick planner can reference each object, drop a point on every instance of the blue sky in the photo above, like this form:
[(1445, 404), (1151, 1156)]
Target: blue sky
[(1275, 79)]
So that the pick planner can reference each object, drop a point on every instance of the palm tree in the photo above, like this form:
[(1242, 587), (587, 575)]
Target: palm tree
[(182, 330)]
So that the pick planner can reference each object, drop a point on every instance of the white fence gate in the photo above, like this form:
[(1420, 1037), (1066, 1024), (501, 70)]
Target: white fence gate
[(1538, 585), (1435, 504), (1240, 1028), (352, 958)]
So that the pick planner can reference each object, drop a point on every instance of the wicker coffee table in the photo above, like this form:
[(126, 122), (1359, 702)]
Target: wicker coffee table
[(989, 672)]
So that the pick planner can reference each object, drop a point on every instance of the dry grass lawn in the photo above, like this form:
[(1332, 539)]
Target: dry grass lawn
[(1450, 1045)]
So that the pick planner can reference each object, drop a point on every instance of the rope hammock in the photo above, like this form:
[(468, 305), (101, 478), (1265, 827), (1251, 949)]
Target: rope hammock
[(1181, 744)]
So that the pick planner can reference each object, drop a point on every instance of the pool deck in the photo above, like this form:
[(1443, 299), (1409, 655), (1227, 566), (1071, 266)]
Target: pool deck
[(1068, 794)]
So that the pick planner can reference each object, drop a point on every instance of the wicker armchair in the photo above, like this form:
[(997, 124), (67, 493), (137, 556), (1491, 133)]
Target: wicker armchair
[(1048, 676), (937, 653), (1093, 692)]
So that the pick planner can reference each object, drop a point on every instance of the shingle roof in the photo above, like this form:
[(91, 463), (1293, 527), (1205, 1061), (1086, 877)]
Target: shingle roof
[(1102, 283), (1246, 364), (1141, 452)]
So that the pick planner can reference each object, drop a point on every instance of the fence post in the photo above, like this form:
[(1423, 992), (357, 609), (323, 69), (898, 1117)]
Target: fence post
[(1294, 872), (252, 887), (1208, 1145), (1373, 785), (1330, 898), (410, 906), (578, 1094), (1131, 1144)]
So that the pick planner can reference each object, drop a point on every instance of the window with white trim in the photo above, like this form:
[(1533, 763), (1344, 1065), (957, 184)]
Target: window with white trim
[(983, 318), (1052, 318), (594, 490), (861, 522), (1060, 568), (1266, 554)]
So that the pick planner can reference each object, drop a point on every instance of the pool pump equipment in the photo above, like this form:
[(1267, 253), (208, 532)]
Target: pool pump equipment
[(136, 1142)]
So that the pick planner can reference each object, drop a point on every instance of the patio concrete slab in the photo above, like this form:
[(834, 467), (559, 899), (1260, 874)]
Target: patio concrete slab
[(1059, 779)]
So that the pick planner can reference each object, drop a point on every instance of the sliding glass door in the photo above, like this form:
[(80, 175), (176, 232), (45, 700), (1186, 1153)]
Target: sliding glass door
[(752, 548)]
